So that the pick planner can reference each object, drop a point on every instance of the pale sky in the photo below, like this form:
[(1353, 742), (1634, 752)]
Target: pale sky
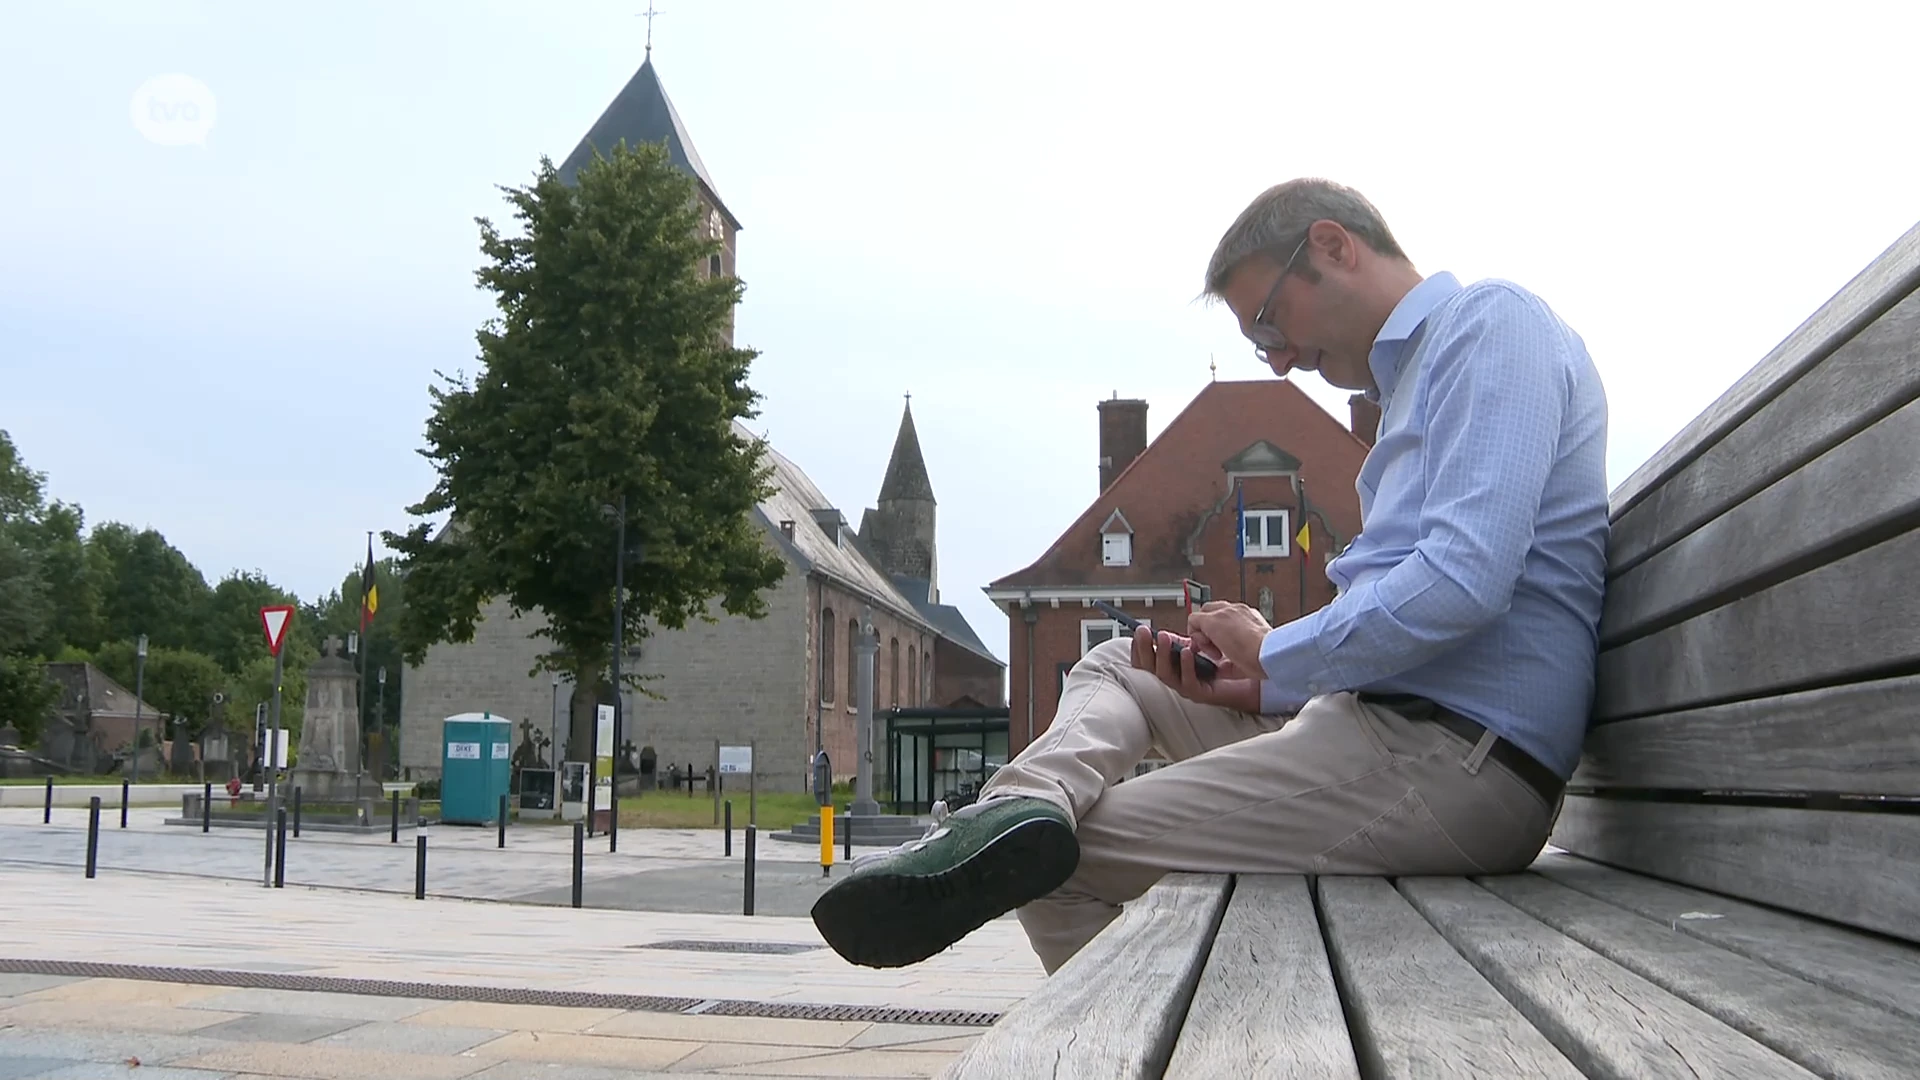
[(1004, 209)]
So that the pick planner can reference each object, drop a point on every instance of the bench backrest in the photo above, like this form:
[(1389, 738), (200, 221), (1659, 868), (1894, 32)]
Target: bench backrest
[(1757, 717)]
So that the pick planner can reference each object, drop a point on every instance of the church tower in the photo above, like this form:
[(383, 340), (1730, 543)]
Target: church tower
[(642, 112), (900, 531)]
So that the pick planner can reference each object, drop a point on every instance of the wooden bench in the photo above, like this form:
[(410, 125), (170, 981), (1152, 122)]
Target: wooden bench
[(1737, 887)]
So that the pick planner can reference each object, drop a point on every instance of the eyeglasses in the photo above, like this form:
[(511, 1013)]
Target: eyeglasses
[(1265, 336)]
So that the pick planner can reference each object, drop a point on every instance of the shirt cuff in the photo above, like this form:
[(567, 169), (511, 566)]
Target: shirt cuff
[(1291, 661)]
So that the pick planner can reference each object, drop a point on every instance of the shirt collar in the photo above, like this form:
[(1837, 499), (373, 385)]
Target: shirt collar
[(1402, 323)]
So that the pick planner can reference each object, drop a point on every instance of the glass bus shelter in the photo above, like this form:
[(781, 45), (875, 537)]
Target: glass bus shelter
[(935, 752)]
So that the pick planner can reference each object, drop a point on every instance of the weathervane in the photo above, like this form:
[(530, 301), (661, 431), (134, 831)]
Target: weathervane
[(649, 15), (1213, 370)]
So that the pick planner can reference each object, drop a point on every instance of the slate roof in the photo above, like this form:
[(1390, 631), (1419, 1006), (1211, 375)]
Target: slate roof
[(907, 469), (642, 112), (946, 618), (86, 686), (795, 498)]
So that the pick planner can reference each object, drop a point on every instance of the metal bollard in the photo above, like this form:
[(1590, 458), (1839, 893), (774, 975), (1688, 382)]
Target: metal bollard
[(579, 858), (747, 904), (48, 820), (826, 840), (396, 819), (846, 828), (727, 847), (420, 862), (296, 812), (123, 803), (280, 844), (93, 833), (206, 808), (503, 821)]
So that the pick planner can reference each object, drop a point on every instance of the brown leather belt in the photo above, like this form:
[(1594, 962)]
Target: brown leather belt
[(1541, 779)]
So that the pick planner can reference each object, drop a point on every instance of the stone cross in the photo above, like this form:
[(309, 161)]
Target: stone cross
[(331, 646)]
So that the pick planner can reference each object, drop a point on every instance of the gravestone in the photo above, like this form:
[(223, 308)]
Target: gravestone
[(330, 733)]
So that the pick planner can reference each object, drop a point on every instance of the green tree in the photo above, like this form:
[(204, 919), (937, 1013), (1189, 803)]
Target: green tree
[(608, 375), (21, 488), (147, 586), (26, 609), (229, 627)]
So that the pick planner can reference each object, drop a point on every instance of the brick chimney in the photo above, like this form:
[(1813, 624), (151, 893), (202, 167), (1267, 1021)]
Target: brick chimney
[(1123, 435), (1366, 417)]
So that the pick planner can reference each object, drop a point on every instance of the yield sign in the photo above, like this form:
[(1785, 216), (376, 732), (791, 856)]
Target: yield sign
[(275, 619)]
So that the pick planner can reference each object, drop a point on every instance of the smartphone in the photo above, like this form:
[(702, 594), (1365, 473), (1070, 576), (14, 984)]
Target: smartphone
[(1203, 666)]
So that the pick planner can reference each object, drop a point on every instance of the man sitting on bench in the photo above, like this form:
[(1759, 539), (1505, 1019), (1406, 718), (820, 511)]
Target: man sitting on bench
[(1424, 722)]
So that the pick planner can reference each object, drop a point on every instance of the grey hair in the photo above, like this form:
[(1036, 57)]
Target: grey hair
[(1278, 218)]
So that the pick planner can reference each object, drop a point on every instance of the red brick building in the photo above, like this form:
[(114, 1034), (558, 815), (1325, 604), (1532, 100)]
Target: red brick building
[(1167, 514)]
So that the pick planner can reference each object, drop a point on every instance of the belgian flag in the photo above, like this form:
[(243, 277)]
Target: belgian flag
[(369, 592)]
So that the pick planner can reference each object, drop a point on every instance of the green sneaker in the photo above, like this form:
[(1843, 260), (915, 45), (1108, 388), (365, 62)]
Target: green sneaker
[(901, 906)]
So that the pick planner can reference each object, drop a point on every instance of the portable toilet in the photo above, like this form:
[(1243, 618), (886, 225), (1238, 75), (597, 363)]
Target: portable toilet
[(476, 767)]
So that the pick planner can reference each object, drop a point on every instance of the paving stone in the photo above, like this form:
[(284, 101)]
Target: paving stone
[(329, 1063), (411, 1038), (571, 1049), (914, 1036), (278, 1028), (117, 1016), (101, 1046), (94, 1070), (11, 985), (778, 1031), (16, 1068), (312, 1003), (851, 1063), (726, 1055), (127, 991), (533, 1070), (513, 1017)]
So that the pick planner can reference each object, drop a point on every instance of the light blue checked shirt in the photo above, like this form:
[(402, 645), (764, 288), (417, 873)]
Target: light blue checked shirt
[(1478, 575)]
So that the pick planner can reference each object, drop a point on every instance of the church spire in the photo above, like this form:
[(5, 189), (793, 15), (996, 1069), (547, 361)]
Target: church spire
[(907, 471)]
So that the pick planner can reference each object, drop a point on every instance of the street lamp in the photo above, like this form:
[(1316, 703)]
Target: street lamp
[(382, 679), (555, 725), (139, 692)]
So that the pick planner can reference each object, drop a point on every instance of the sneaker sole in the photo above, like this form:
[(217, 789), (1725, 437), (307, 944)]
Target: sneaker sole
[(892, 920)]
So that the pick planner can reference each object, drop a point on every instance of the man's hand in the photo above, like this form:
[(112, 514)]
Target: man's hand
[(1153, 651), (1231, 634)]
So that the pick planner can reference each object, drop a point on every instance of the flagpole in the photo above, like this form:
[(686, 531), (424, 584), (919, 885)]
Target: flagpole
[(1240, 535), (1300, 489), (365, 728)]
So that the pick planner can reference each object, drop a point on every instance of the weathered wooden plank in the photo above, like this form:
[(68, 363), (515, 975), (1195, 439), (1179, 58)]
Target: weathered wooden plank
[(1865, 379), (1608, 1020), (1830, 1033), (1866, 966), (1857, 868), (1863, 490), (1884, 281), (1417, 1008), (1862, 738), (1115, 1009), (1845, 621), (1266, 1005)]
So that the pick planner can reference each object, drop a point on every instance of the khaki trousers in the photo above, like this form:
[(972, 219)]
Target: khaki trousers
[(1342, 787)]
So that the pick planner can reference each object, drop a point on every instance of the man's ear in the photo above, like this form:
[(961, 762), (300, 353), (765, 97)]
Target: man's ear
[(1334, 245)]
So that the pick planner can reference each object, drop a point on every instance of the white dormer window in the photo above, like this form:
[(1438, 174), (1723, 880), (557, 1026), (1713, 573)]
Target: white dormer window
[(1116, 541)]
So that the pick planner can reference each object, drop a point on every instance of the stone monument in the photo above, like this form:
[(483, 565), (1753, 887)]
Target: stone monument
[(330, 732)]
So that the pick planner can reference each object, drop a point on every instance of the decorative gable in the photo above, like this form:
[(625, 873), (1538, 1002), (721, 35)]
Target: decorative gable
[(1262, 458)]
